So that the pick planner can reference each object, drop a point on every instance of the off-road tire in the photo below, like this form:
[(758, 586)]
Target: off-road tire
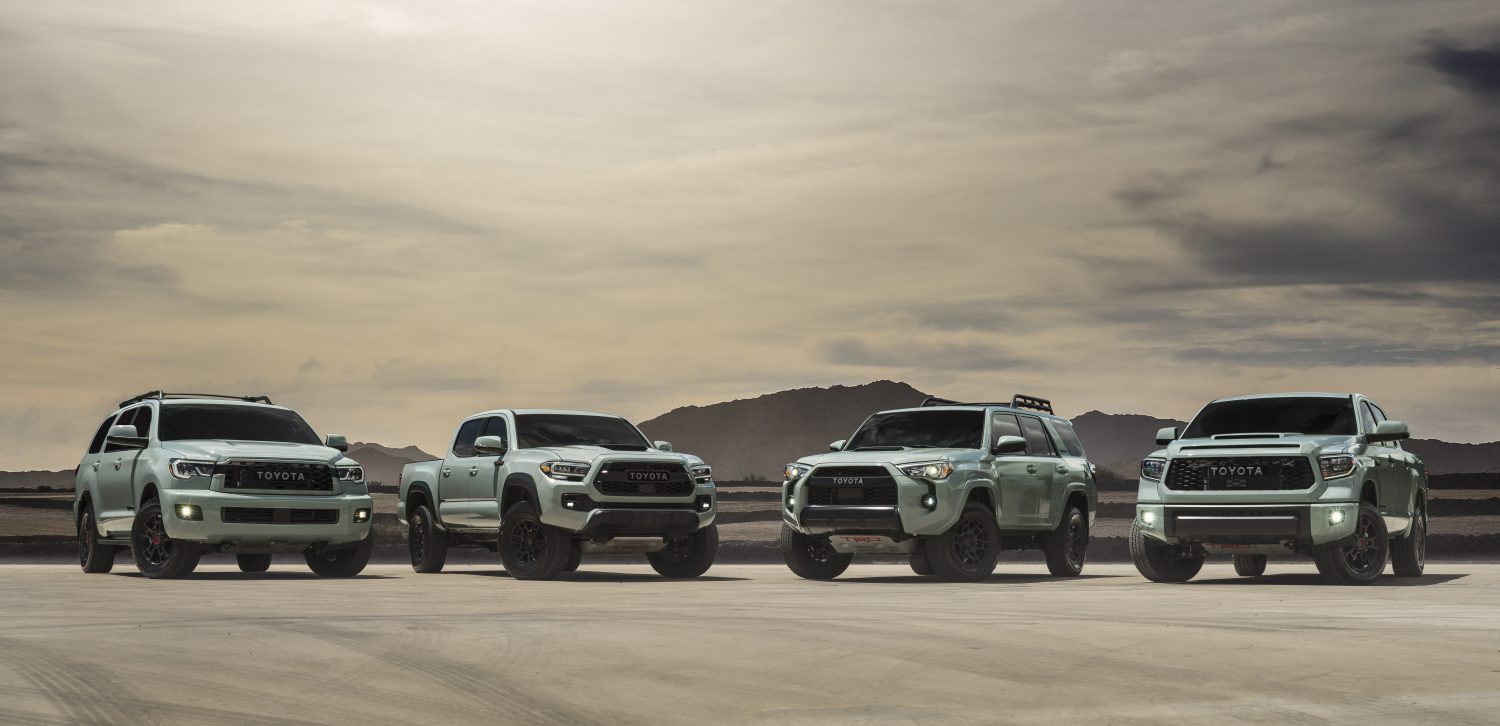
[(1362, 560), (574, 560), (919, 563), (427, 545), (253, 563), (1409, 554), (810, 557), (968, 551), (340, 562), (530, 549), (1066, 546), (156, 555), (1249, 565), (92, 556), (1161, 562), (687, 556)]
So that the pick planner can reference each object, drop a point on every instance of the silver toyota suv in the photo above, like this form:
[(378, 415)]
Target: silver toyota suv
[(1320, 474), (174, 475), (950, 485)]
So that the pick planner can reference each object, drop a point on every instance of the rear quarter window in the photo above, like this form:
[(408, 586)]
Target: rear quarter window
[(1068, 437)]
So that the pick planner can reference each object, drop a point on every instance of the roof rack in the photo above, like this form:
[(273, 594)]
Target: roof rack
[(163, 395), (1019, 401)]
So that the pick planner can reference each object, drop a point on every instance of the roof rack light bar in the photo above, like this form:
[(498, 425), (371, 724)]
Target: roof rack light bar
[(1020, 400), (163, 395)]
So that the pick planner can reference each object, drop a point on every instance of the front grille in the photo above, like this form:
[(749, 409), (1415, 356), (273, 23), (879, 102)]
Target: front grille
[(643, 479), (858, 486), (276, 476), (268, 515), (1241, 473)]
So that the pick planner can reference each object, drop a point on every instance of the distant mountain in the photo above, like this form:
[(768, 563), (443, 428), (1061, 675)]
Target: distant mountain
[(1443, 457), (382, 463), (758, 436), (34, 479), (1118, 441)]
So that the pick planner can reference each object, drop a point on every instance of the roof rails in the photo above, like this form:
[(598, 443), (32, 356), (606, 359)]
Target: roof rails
[(163, 395), (1019, 401)]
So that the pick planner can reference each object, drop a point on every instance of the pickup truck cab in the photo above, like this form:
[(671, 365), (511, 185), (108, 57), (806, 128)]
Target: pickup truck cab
[(950, 485), (1319, 474), (544, 487), (173, 475)]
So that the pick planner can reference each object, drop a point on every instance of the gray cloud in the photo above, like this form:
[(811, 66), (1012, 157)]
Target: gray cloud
[(915, 354), (1474, 69)]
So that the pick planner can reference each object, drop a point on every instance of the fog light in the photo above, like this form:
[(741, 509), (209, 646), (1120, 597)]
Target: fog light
[(190, 512), (791, 502), (577, 502), (361, 515), (705, 503), (1336, 517), (929, 501), (1148, 517)]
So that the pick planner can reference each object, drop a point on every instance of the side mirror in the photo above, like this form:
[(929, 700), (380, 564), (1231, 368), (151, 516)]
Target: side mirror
[(663, 446), (1166, 436), (335, 441), (489, 446), (838, 445), (1389, 431), (127, 436), (1008, 445)]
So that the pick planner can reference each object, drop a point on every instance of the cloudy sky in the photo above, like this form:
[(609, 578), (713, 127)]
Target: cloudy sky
[(389, 216)]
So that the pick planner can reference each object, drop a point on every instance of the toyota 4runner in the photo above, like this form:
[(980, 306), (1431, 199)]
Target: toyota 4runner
[(949, 485), (545, 487), (1320, 474), (174, 475)]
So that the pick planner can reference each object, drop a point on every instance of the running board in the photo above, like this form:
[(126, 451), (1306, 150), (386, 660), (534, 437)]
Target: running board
[(113, 542)]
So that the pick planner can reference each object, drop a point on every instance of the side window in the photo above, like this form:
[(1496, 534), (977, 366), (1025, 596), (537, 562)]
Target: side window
[(1068, 437), (143, 420), (496, 427), (1379, 417), (463, 446), (97, 444), (1372, 416), (126, 419), (1003, 424), (1037, 441)]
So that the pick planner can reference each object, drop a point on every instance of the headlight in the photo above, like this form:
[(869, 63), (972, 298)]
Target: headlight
[(566, 470), (185, 469), (930, 470), (793, 472), (1151, 469), (350, 473), (702, 473), (1335, 467)]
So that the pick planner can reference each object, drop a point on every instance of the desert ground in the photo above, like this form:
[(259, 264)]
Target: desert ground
[(748, 643)]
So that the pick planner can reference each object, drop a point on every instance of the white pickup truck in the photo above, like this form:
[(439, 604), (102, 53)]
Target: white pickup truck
[(544, 487)]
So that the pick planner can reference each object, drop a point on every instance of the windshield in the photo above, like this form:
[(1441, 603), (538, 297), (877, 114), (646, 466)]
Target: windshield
[(180, 421), (540, 430), (1315, 416), (936, 429)]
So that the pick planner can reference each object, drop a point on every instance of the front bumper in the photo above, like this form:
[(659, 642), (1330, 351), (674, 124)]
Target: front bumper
[(212, 529), (1302, 524), (629, 516), (909, 516)]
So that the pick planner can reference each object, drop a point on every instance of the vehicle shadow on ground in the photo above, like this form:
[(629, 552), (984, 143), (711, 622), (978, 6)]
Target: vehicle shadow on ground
[(1313, 580), (264, 576), (606, 576), (999, 577)]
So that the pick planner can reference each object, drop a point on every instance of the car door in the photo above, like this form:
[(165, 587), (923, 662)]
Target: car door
[(1018, 475), (455, 501), (1393, 478), (486, 472), (1049, 467), (116, 474), (87, 479)]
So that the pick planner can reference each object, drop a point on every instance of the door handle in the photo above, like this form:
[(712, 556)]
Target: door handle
[(1031, 468), (96, 466), (118, 462), (474, 471), (447, 471), (1062, 469)]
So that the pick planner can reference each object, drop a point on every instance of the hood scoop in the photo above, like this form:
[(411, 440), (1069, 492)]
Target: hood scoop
[(1268, 435)]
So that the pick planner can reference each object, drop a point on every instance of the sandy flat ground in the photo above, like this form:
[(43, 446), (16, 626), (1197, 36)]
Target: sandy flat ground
[(746, 644)]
